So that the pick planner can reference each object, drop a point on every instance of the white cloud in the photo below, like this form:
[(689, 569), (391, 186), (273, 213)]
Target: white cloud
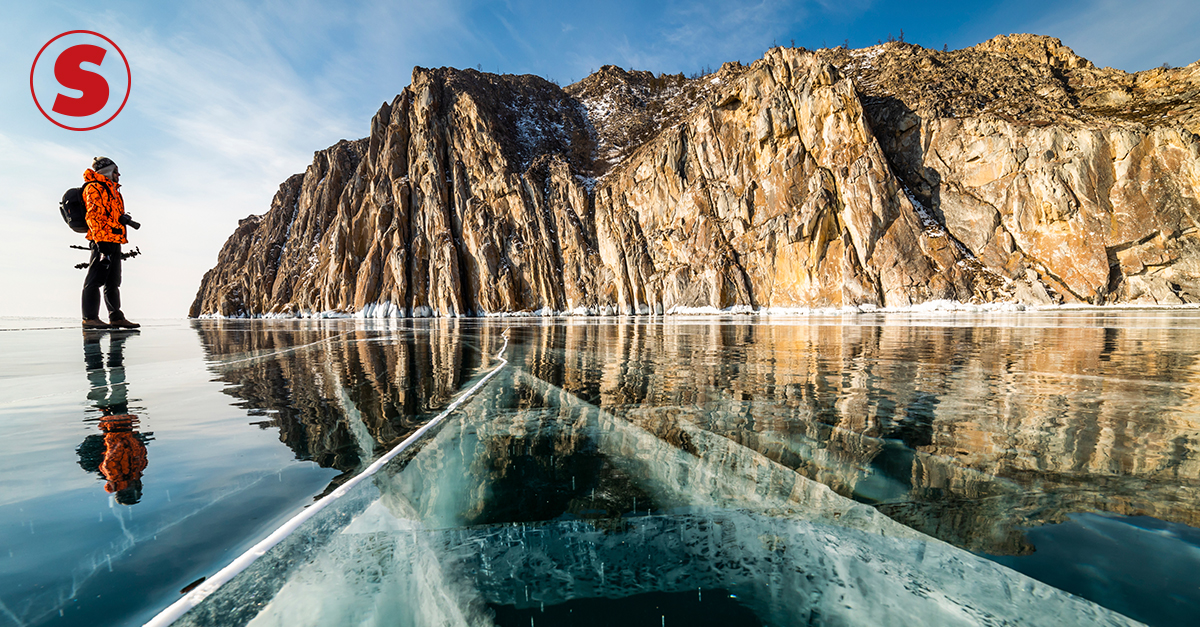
[(38, 259), (689, 35), (220, 114), (221, 129)]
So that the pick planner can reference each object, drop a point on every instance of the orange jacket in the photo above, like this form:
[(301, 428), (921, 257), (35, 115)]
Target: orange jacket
[(104, 209)]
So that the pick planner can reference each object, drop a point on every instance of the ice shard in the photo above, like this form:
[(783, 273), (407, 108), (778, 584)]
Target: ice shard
[(416, 545)]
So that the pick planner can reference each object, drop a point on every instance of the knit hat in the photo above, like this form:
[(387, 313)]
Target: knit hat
[(104, 166)]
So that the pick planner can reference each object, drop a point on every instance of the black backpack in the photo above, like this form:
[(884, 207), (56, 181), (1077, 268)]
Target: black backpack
[(73, 209)]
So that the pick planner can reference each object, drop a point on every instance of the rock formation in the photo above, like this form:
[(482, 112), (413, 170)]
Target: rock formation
[(1010, 171)]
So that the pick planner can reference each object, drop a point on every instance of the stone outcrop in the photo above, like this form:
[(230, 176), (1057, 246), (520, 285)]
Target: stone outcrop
[(1023, 152), (1014, 170)]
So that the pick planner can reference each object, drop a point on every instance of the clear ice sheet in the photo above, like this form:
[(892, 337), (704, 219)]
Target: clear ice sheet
[(789, 548), (1000, 434), (67, 545)]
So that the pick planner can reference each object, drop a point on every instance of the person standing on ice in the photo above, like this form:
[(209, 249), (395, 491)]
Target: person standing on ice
[(107, 221)]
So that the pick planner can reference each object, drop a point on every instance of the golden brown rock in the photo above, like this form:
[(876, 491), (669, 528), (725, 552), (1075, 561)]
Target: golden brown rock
[(889, 176)]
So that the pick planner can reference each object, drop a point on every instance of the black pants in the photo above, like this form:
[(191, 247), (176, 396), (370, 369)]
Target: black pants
[(104, 270)]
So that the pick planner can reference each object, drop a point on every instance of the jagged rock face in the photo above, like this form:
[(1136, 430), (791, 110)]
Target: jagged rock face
[(1088, 203), (627, 109), (444, 209), (777, 195), (1014, 170)]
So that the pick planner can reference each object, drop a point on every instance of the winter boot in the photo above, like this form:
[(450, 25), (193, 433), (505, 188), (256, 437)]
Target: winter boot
[(122, 323)]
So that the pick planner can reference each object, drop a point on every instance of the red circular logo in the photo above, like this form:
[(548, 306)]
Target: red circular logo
[(78, 82)]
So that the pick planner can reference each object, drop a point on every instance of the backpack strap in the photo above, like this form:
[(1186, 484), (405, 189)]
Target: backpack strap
[(100, 183), (83, 191)]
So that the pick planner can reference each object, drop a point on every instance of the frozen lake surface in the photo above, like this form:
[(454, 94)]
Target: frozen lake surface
[(872, 468)]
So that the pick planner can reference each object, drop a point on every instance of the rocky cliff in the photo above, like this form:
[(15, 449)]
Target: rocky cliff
[(1010, 171)]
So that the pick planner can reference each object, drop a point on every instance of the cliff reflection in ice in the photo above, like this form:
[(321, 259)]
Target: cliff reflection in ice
[(715, 515), (967, 429)]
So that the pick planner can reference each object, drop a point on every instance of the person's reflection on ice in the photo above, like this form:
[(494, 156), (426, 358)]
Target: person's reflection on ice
[(118, 454)]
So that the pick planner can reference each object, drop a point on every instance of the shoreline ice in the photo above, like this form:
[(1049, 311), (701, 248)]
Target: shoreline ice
[(388, 310)]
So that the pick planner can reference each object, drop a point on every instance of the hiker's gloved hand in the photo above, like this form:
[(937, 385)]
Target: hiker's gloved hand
[(128, 221)]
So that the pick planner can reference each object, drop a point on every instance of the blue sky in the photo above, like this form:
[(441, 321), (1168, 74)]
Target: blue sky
[(230, 98)]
